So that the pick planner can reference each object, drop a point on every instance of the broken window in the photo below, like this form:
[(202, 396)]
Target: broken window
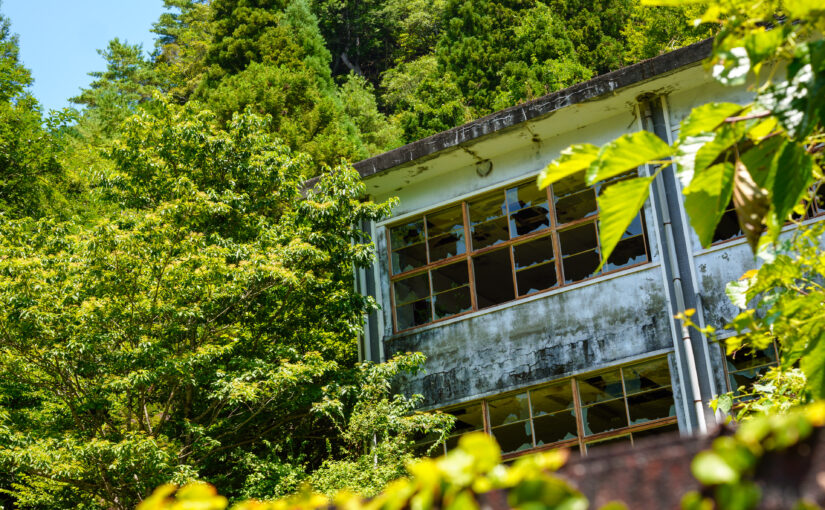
[(616, 405), (515, 242), (746, 365)]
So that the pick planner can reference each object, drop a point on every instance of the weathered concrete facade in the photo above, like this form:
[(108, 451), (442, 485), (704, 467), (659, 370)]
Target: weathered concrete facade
[(588, 325)]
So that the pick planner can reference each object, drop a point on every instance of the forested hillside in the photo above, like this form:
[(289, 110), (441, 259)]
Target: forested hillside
[(348, 78), (173, 304)]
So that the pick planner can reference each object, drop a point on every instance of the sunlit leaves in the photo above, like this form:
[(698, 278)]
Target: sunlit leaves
[(706, 117), (707, 197), (793, 177), (627, 153), (731, 66), (619, 205), (574, 159)]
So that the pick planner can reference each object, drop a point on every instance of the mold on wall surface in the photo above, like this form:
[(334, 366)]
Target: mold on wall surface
[(561, 334)]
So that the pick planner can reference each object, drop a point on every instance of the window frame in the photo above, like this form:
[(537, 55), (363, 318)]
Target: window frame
[(736, 397), (552, 231), (581, 441), (813, 212)]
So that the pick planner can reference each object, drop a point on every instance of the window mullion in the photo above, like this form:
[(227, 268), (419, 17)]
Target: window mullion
[(624, 396), (577, 405), (551, 206), (530, 414), (465, 213), (392, 285)]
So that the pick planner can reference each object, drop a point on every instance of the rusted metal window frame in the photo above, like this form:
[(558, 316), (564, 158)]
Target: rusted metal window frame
[(552, 231), (581, 441)]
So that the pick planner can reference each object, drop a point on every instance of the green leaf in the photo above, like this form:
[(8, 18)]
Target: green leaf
[(802, 8), (627, 153), (794, 173), (619, 205), (751, 203), (711, 469), (572, 160), (727, 136), (760, 161), (706, 118), (813, 365), (761, 44), (706, 199)]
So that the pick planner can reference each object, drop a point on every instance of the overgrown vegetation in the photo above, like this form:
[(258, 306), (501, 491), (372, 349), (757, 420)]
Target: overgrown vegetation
[(175, 306)]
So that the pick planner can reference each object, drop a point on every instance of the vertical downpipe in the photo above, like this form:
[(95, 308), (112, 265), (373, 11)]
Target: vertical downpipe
[(676, 281)]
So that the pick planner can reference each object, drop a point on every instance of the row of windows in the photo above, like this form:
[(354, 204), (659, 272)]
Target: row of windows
[(746, 365), (612, 405), (728, 227), (501, 246)]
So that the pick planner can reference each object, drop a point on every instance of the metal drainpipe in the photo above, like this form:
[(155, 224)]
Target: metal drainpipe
[(676, 281)]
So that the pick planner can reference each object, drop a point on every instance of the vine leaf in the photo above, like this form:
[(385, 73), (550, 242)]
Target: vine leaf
[(573, 159), (707, 197), (751, 203), (627, 153), (619, 205)]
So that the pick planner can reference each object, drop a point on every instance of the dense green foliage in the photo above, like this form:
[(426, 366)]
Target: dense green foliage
[(175, 305), (766, 157), (346, 78), (461, 479)]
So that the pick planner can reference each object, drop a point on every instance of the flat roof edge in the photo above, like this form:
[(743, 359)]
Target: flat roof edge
[(509, 117)]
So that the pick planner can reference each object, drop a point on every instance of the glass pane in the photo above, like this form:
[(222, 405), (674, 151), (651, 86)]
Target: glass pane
[(627, 253), (493, 278), (604, 386), (603, 417), (445, 233), (746, 377), (405, 235), (515, 437), (634, 229), (646, 376), (747, 358), (576, 206), (487, 207), (412, 288), (533, 252), (408, 258), (651, 405), (490, 233), (508, 409), (413, 314), (450, 277), (727, 228), (568, 185), (607, 442), (552, 428), (578, 239), (442, 222), (530, 219), (551, 399), (468, 419), (536, 279), (526, 195), (447, 245), (452, 302), (579, 267)]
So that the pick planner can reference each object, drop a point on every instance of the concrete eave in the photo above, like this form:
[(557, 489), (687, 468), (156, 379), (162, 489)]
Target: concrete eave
[(514, 116)]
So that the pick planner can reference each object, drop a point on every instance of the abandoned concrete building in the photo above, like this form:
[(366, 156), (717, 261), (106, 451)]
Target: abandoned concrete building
[(493, 279)]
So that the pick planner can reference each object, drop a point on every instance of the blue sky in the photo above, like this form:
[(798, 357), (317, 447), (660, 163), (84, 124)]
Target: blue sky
[(59, 39)]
